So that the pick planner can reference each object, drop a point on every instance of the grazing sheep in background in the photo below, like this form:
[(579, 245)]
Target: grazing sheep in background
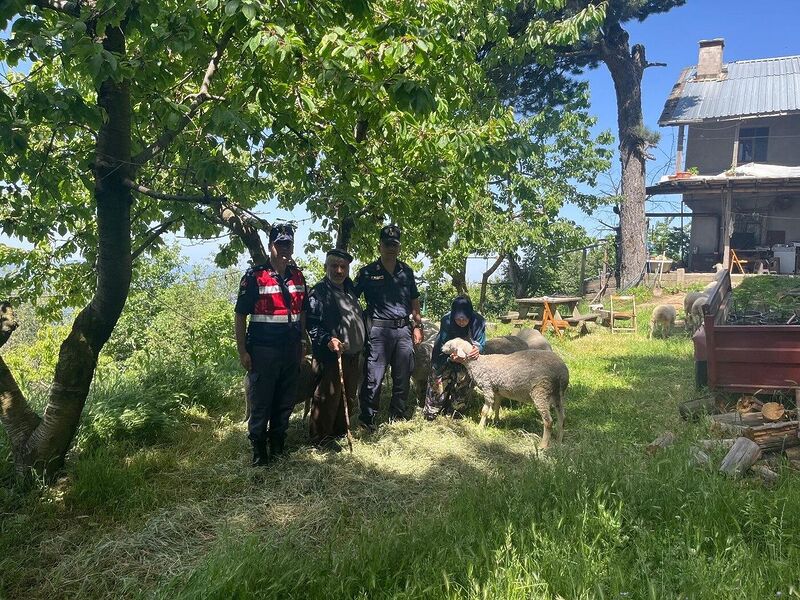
[(505, 344), (688, 300), (664, 318), (696, 316), (534, 339), (531, 376)]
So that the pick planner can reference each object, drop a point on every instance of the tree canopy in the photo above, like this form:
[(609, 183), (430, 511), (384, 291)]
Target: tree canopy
[(121, 121)]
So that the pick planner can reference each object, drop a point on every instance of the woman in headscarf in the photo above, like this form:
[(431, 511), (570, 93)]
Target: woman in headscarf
[(448, 383)]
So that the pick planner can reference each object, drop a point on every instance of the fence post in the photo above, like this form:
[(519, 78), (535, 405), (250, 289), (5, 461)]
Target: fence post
[(583, 272)]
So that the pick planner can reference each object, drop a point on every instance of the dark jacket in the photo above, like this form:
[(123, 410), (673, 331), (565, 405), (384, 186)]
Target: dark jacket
[(474, 331), (324, 317)]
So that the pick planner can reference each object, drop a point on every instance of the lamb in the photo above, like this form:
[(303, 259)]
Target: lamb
[(534, 339), (663, 317), (536, 376)]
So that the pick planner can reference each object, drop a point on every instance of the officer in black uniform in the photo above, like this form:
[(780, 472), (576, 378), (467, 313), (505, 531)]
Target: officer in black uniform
[(391, 293)]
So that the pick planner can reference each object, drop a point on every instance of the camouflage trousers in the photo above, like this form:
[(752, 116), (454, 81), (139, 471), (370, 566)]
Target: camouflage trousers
[(447, 391)]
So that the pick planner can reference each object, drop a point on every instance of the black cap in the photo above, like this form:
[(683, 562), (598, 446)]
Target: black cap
[(339, 254), (390, 234), (281, 233)]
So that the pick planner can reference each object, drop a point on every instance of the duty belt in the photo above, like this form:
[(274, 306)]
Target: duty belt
[(393, 323)]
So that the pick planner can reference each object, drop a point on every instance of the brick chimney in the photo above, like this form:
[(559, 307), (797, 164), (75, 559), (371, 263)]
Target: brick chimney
[(709, 63)]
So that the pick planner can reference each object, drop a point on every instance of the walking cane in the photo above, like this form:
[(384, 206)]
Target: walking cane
[(346, 410)]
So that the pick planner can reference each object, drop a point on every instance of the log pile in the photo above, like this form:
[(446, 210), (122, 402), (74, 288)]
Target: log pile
[(756, 437)]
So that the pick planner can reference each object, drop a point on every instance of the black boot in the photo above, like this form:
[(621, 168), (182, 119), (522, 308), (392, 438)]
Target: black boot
[(260, 455), (277, 446)]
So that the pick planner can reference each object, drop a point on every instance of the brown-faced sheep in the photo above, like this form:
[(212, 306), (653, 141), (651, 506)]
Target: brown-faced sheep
[(531, 376)]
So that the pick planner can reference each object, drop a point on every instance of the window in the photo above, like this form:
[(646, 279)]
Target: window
[(753, 144)]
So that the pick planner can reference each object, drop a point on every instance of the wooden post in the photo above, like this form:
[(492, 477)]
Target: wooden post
[(583, 272), (735, 158), (679, 152), (726, 228)]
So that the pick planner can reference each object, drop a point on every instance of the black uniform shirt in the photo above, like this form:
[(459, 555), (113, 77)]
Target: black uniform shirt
[(388, 295)]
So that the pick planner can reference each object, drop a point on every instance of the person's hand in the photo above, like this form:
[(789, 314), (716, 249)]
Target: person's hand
[(417, 336), (335, 345), (474, 353), (247, 362)]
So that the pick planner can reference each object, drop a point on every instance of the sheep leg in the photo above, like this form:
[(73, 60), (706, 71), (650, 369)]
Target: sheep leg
[(560, 414), (652, 327), (488, 404), (542, 403), (496, 408)]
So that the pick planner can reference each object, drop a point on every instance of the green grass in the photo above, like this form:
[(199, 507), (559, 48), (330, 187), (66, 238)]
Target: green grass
[(419, 510)]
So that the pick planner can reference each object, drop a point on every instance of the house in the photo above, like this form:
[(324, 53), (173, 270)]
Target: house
[(740, 122)]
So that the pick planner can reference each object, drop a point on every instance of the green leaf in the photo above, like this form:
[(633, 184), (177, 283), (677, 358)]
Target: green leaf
[(231, 6)]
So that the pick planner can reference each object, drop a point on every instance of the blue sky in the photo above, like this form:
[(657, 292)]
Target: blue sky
[(750, 30)]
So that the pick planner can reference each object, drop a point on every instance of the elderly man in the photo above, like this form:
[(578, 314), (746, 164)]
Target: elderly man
[(336, 329), (391, 293), (274, 295)]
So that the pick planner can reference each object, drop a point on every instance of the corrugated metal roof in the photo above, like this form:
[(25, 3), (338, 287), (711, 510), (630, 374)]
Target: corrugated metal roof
[(750, 88)]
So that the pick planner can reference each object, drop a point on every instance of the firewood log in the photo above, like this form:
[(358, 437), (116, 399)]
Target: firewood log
[(725, 443), (773, 411), (664, 440), (742, 455), (774, 436), (698, 458), (767, 475)]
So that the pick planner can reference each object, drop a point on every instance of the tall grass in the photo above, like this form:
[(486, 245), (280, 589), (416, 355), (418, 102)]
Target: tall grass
[(419, 510)]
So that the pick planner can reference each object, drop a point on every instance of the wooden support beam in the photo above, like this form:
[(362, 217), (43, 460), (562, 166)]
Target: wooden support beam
[(679, 152), (582, 276)]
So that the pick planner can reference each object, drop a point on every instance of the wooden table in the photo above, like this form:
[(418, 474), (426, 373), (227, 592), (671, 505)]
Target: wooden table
[(550, 313), (570, 303)]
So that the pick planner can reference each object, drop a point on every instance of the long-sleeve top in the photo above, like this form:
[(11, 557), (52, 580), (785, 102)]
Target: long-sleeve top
[(474, 332)]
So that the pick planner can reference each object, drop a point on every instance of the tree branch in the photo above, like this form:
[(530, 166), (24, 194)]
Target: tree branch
[(16, 415), (229, 218), (156, 233), (199, 99), (198, 199)]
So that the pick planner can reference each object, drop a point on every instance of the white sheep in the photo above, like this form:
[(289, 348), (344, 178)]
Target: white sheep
[(696, 315), (664, 318), (688, 300), (536, 376)]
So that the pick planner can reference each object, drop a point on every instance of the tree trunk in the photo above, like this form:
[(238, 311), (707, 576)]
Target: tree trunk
[(344, 232), (627, 68), (48, 442), (485, 280), (518, 280), (459, 279)]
